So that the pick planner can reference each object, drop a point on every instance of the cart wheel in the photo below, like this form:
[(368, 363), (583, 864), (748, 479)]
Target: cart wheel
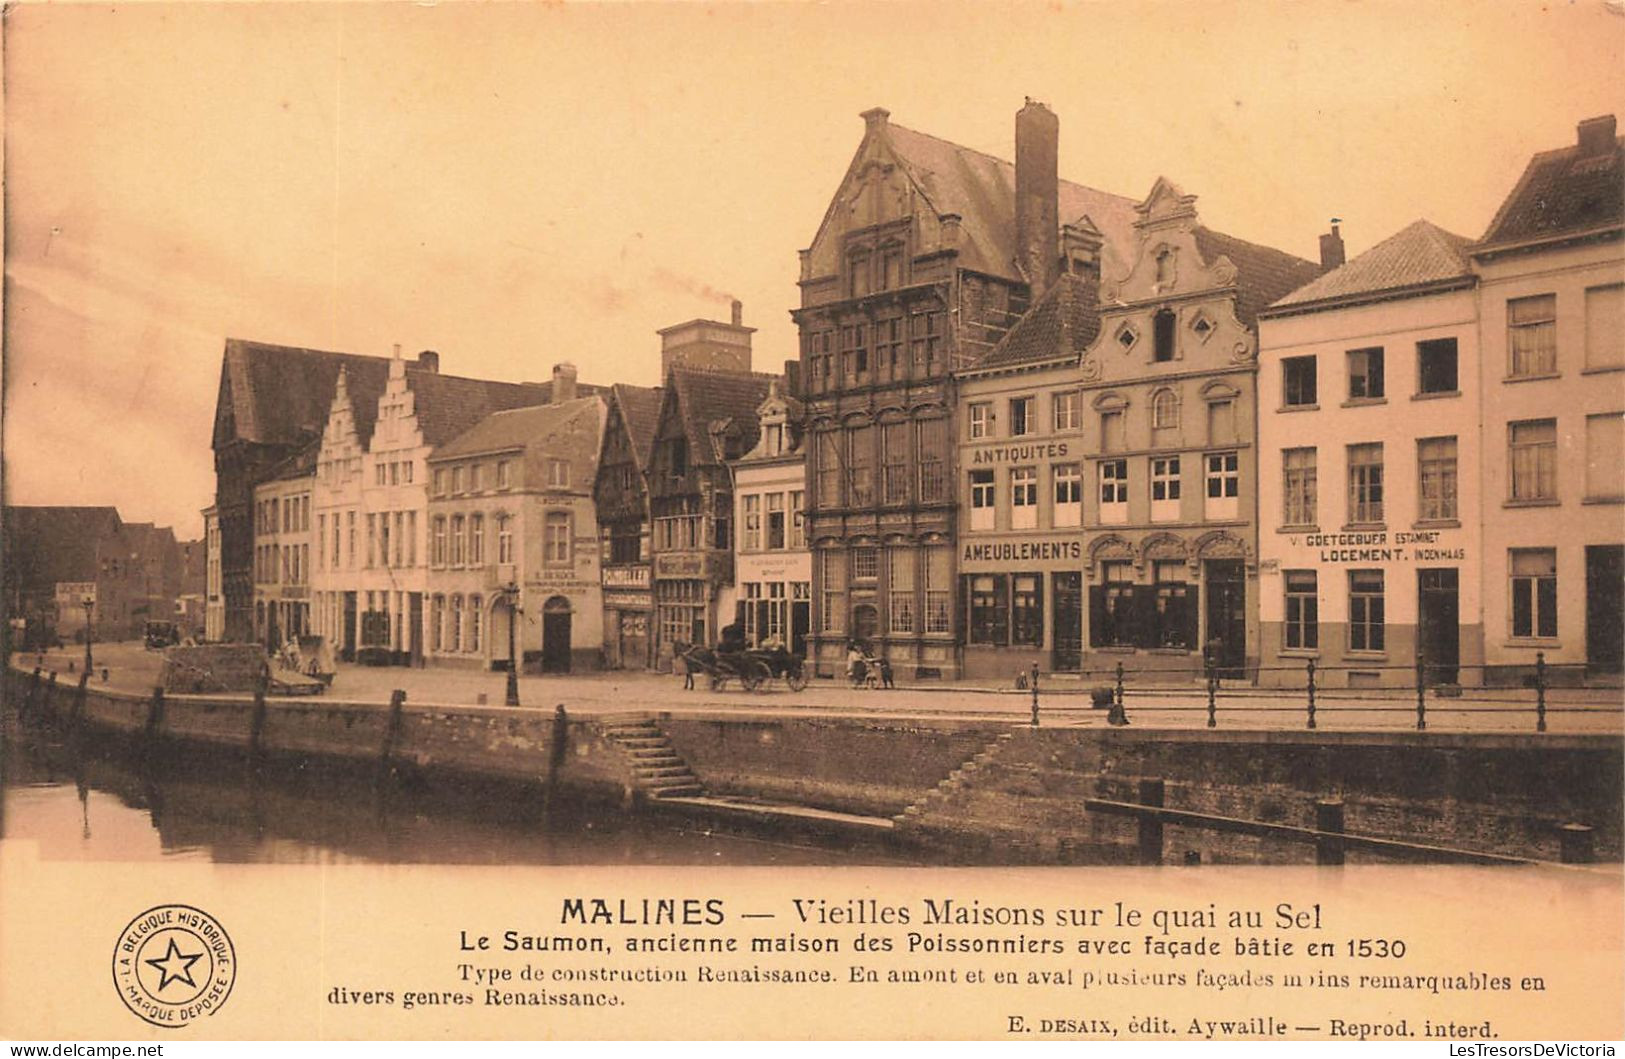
[(797, 679), (717, 681), (754, 675)]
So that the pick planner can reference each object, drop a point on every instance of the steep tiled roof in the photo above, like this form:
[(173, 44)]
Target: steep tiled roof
[(1419, 254), (1263, 274), (706, 397), (281, 395), (982, 190), (44, 545), (447, 405), (1560, 192), (301, 464), (640, 411), (513, 428), (1062, 324)]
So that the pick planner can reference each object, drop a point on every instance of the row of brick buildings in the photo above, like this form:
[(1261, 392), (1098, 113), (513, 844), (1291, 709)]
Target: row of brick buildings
[(1030, 423)]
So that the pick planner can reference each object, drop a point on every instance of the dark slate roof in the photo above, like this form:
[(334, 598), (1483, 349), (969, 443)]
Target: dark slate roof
[(640, 411), (1419, 254), (1263, 274), (1562, 192), (707, 397), (448, 405), (514, 428), (281, 395), (302, 464), (982, 190), (44, 545), (1062, 324)]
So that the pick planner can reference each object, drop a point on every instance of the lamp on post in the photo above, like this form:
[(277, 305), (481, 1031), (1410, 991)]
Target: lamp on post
[(89, 603), (512, 591)]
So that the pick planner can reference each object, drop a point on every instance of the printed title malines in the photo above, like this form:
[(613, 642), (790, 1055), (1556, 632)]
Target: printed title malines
[(599, 911)]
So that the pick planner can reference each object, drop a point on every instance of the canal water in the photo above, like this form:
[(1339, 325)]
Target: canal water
[(104, 802)]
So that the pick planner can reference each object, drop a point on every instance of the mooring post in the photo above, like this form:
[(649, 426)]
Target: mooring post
[(81, 696), (155, 711), (1151, 793), (1309, 683), (50, 693), (1035, 694), (1329, 822), (1118, 693), (397, 701), (1212, 694), (31, 700), (1576, 844), (256, 724), (1540, 691), (1421, 690)]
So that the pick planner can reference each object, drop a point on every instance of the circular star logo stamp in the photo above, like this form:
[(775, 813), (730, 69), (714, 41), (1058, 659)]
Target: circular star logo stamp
[(173, 965)]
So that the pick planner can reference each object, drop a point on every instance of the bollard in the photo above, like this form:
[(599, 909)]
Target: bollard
[(1212, 693), (104, 674), (31, 700), (80, 697), (1421, 692), (1035, 694), (1119, 691), (256, 725), (1329, 821), (1151, 793), (70, 665), (392, 731), (1309, 671), (1576, 844), (155, 711), (1540, 691), (50, 693)]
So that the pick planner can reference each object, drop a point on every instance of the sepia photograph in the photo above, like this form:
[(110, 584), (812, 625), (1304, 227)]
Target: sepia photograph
[(799, 476)]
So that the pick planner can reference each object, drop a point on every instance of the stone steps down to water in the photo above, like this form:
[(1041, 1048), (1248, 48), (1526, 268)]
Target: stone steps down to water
[(657, 770)]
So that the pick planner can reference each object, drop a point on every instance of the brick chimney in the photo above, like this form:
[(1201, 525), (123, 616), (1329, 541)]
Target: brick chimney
[(1038, 227), (875, 118), (1596, 136), (738, 313), (429, 360), (564, 382), (1331, 250)]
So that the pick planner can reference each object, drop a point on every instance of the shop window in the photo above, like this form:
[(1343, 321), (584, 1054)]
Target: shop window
[(1173, 615), (1534, 592), (1111, 606), (989, 610), (1302, 631), (1027, 610), (832, 587)]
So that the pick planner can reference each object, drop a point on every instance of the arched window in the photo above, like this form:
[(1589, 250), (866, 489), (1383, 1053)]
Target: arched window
[(1164, 410), (1162, 333)]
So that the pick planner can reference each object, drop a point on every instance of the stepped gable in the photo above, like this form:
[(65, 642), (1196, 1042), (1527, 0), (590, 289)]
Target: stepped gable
[(1060, 327), (640, 411), (1418, 255), (1571, 189), (981, 189), (1263, 274), (709, 397)]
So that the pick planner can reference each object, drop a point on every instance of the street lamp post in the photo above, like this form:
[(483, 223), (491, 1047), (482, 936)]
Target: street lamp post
[(89, 605), (512, 590)]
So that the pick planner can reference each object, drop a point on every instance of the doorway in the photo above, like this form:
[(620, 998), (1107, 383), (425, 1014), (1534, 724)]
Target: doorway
[(348, 654), (1438, 635), (556, 635), (865, 622), (1226, 646), (1605, 608), (414, 606), (1067, 588), (800, 625)]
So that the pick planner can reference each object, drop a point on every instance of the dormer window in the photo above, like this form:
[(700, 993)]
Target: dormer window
[(774, 443)]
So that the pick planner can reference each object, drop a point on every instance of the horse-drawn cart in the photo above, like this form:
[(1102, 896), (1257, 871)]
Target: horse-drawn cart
[(752, 669)]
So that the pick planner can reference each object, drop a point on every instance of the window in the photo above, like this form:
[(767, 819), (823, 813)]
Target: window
[(775, 522), (558, 474), (900, 588), (1365, 374), (897, 472), (938, 589), (406, 472), (1023, 497), (1068, 410), (476, 540), (832, 585), (860, 447), (798, 525), (1534, 592), (1532, 455), (1165, 410), (437, 608), (1605, 327), (1027, 610), (889, 348), (865, 562), (456, 480), (1298, 488), (857, 274), (1223, 485), (502, 474), (476, 616), (1365, 610), (1365, 483), (1165, 489), (828, 452), (372, 541), (625, 544), (1068, 494), (931, 437), (1112, 606), (456, 630), (981, 420), (1112, 438), (1605, 456), (1023, 416), (752, 541), (1436, 479), (1436, 366), (1302, 610), (1113, 490), (349, 544), (321, 541), (1221, 422), (891, 267), (458, 540), (855, 352), (380, 474), (773, 439), (504, 539), (411, 538), (1174, 615), (383, 540), (925, 336), (394, 472), (677, 456), (1298, 382), (982, 500), (1532, 336), (556, 539), (1162, 335), (439, 481), (989, 610)]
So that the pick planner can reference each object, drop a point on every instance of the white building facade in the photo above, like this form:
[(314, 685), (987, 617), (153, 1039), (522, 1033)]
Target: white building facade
[(772, 565)]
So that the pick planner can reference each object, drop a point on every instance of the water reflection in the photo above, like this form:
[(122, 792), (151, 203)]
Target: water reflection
[(107, 802)]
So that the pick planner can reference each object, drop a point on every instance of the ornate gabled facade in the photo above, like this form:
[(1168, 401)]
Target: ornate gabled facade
[(772, 566), (621, 500), (926, 256)]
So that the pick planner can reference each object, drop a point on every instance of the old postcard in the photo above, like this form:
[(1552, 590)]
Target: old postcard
[(888, 520)]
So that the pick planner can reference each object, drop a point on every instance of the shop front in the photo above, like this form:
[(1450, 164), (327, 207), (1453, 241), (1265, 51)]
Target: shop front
[(628, 607), (1024, 604)]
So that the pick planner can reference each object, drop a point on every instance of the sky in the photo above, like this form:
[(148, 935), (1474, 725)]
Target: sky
[(516, 185)]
